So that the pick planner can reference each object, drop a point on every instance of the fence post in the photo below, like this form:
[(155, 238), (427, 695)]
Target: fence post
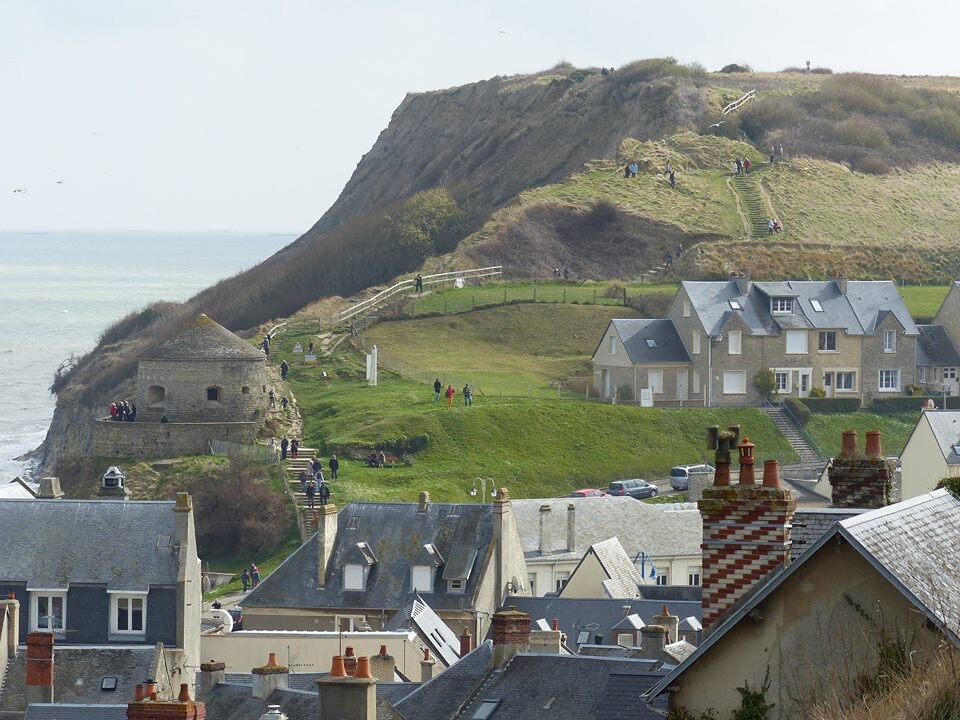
[(594, 296), (564, 295), (624, 297), (504, 296), (534, 293), (444, 306)]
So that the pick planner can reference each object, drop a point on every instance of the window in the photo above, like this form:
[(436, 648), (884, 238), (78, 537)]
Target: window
[(663, 579), (696, 342), (734, 345), (686, 308), (625, 640), (846, 381), (782, 379), (651, 343), (781, 305), (796, 342), (156, 396), (562, 578), (48, 610), (348, 623), (455, 587), (213, 394), (735, 305), (827, 341), (613, 345), (816, 305), (108, 683), (655, 381), (486, 709), (421, 578), (532, 582), (128, 614), (245, 390), (890, 341), (889, 380), (695, 382), (693, 576), (735, 382), (354, 577), (949, 373)]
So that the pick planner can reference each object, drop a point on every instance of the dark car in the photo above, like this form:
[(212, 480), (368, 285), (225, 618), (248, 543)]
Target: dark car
[(236, 612), (588, 492), (635, 488)]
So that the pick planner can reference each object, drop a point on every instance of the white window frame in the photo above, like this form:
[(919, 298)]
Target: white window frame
[(735, 342), (889, 341), (695, 576), (532, 582), (815, 304), (792, 347), (695, 382), (456, 586), (686, 308), (350, 571), (884, 387), (728, 373), (612, 349), (626, 640), (921, 374), (561, 577), (418, 582), (353, 622), (787, 386), (129, 597), (49, 594), (825, 334), (949, 373), (781, 306), (837, 385), (696, 342), (655, 381), (663, 578)]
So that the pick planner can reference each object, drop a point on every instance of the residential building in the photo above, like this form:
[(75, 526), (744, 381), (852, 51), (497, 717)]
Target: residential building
[(662, 539), (372, 560), (931, 454), (605, 570)]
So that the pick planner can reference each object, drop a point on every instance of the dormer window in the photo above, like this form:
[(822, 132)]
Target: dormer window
[(357, 561), (421, 578), (781, 305), (355, 577), (816, 305), (456, 587), (128, 613), (735, 305)]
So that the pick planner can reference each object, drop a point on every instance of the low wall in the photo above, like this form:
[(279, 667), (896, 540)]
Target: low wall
[(143, 439)]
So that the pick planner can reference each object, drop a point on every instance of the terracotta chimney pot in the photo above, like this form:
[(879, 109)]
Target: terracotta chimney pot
[(383, 651), (848, 442), (138, 692), (184, 695), (874, 450), (350, 661), (771, 474), (337, 669), (363, 667)]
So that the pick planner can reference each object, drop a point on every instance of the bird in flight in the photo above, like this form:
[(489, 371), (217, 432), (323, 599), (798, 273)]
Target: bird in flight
[(19, 190), (717, 124), (502, 32), (59, 182)]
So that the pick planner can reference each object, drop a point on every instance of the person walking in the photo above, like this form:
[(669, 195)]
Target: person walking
[(381, 459), (334, 467), (450, 393), (284, 444), (311, 492), (738, 166), (133, 412), (113, 409), (773, 154), (254, 575), (302, 478), (324, 493), (315, 465), (273, 399), (770, 226), (673, 179), (419, 284), (437, 387), (310, 348), (283, 370), (265, 345), (467, 395), (294, 448), (283, 402), (780, 152), (746, 166), (245, 579)]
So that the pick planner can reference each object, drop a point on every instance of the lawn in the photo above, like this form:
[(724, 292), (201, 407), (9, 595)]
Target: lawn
[(923, 301), (895, 428)]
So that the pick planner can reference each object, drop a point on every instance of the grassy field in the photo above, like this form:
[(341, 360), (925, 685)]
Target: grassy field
[(825, 428)]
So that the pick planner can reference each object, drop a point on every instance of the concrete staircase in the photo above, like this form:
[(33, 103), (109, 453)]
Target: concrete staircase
[(308, 525), (808, 455), (753, 203)]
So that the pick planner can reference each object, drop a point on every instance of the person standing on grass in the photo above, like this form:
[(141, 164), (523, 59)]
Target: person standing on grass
[(245, 579), (437, 387), (673, 179), (254, 574), (467, 395), (284, 444), (770, 226), (381, 459), (419, 284), (450, 392), (283, 370), (273, 399), (334, 467), (746, 166)]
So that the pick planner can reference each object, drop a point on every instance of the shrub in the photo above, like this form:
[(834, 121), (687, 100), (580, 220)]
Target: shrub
[(913, 390), (861, 131), (768, 113), (602, 213), (911, 402), (735, 68), (872, 166), (800, 411), (818, 392), (832, 405), (614, 290), (765, 382), (624, 393), (821, 71)]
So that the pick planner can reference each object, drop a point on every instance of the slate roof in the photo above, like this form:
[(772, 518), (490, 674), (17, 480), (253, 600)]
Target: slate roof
[(532, 687), (810, 524), (934, 347), (602, 615), (230, 701), (396, 533), (945, 425), (18, 489), (203, 339), (661, 529), (857, 312), (635, 334), (446, 692), (672, 593), (126, 545), (624, 579), (60, 711), (679, 651)]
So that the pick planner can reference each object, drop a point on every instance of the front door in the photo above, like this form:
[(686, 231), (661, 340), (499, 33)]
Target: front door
[(828, 384), (950, 380), (607, 389), (681, 385), (804, 385)]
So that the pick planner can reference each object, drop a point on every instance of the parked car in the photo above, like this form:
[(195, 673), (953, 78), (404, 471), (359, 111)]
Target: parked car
[(587, 492), (635, 488), (236, 612), (680, 474)]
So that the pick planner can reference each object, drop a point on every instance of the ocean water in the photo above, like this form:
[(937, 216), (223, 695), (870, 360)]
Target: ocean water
[(60, 291)]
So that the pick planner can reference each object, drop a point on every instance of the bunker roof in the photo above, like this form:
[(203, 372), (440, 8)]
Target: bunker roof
[(203, 339)]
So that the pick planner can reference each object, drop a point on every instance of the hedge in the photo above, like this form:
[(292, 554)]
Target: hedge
[(832, 405), (800, 411), (903, 403)]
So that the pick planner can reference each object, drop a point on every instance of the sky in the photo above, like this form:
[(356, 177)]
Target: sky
[(250, 116)]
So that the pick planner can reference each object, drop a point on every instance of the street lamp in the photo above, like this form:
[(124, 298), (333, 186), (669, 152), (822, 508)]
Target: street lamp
[(483, 488), (645, 559)]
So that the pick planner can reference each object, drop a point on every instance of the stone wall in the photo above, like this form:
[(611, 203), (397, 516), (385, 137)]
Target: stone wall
[(153, 439), (242, 390)]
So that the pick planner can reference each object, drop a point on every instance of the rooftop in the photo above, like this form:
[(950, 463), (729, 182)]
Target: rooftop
[(203, 339), (651, 341), (945, 425), (934, 348)]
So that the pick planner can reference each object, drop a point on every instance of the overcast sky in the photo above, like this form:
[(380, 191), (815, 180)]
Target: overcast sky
[(250, 116)]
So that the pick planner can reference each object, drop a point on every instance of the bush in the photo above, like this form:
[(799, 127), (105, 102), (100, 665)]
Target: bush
[(913, 389), (818, 392), (601, 214), (735, 68), (624, 393), (821, 71), (613, 291), (872, 166), (911, 402), (765, 382), (861, 131), (769, 113), (800, 411), (832, 405)]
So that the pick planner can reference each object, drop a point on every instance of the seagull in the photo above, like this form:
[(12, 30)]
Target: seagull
[(59, 182), (717, 124), (502, 32), (19, 190)]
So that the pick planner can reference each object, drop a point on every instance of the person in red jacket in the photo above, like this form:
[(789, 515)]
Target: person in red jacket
[(449, 394)]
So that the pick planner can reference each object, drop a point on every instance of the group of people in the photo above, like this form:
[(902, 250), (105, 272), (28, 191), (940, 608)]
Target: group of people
[(668, 258), (449, 393), (630, 171), (741, 166), (418, 284), (312, 482), (273, 400), (776, 154), (123, 411), (376, 459), (286, 444), (773, 225), (251, 577), (564, 274)]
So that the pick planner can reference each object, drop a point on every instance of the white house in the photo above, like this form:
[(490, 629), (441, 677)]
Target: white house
[(932, 452)]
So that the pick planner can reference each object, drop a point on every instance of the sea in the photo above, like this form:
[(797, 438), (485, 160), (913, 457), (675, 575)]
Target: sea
[(59, 291)]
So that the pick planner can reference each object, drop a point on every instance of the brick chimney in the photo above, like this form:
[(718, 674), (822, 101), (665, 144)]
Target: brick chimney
[(212, 673), (426, 667), (746, 529), (183, 708), (859, 481), (466, 642), (39, 668), (348, 698), (326, 536), (653, 641), (546, 642), (349, 661), (670, 622), (383, 666), (269, 677), (571, 527), (49, 489), (545, 511), (511, 634), (10, 607), (504, 535)]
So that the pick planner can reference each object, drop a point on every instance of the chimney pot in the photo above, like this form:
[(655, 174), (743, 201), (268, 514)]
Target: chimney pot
[(184, 695), (363, 667), (874, 449), (383, 651), (571, 527), (545, 543), (848, 442), (555, 624), (424, 501), (771, 474), (350, 661), (337, 668), (138, 692), (466, 642)]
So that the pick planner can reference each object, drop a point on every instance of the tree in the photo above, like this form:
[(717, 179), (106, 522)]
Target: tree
[(765, 382)]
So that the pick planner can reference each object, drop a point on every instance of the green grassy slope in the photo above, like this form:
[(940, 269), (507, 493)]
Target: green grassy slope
[(825, 428)]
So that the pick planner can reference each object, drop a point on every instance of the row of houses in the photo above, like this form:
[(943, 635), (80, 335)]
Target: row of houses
[(846, 338)]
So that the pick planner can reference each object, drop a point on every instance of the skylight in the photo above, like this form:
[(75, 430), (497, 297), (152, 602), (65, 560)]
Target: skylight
[(486, 709), (735, 304), (816, 305), (651, 343)]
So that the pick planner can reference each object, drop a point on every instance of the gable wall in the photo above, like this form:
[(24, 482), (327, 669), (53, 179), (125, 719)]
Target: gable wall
[(922, 464), (585, 581), (949, 315)]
